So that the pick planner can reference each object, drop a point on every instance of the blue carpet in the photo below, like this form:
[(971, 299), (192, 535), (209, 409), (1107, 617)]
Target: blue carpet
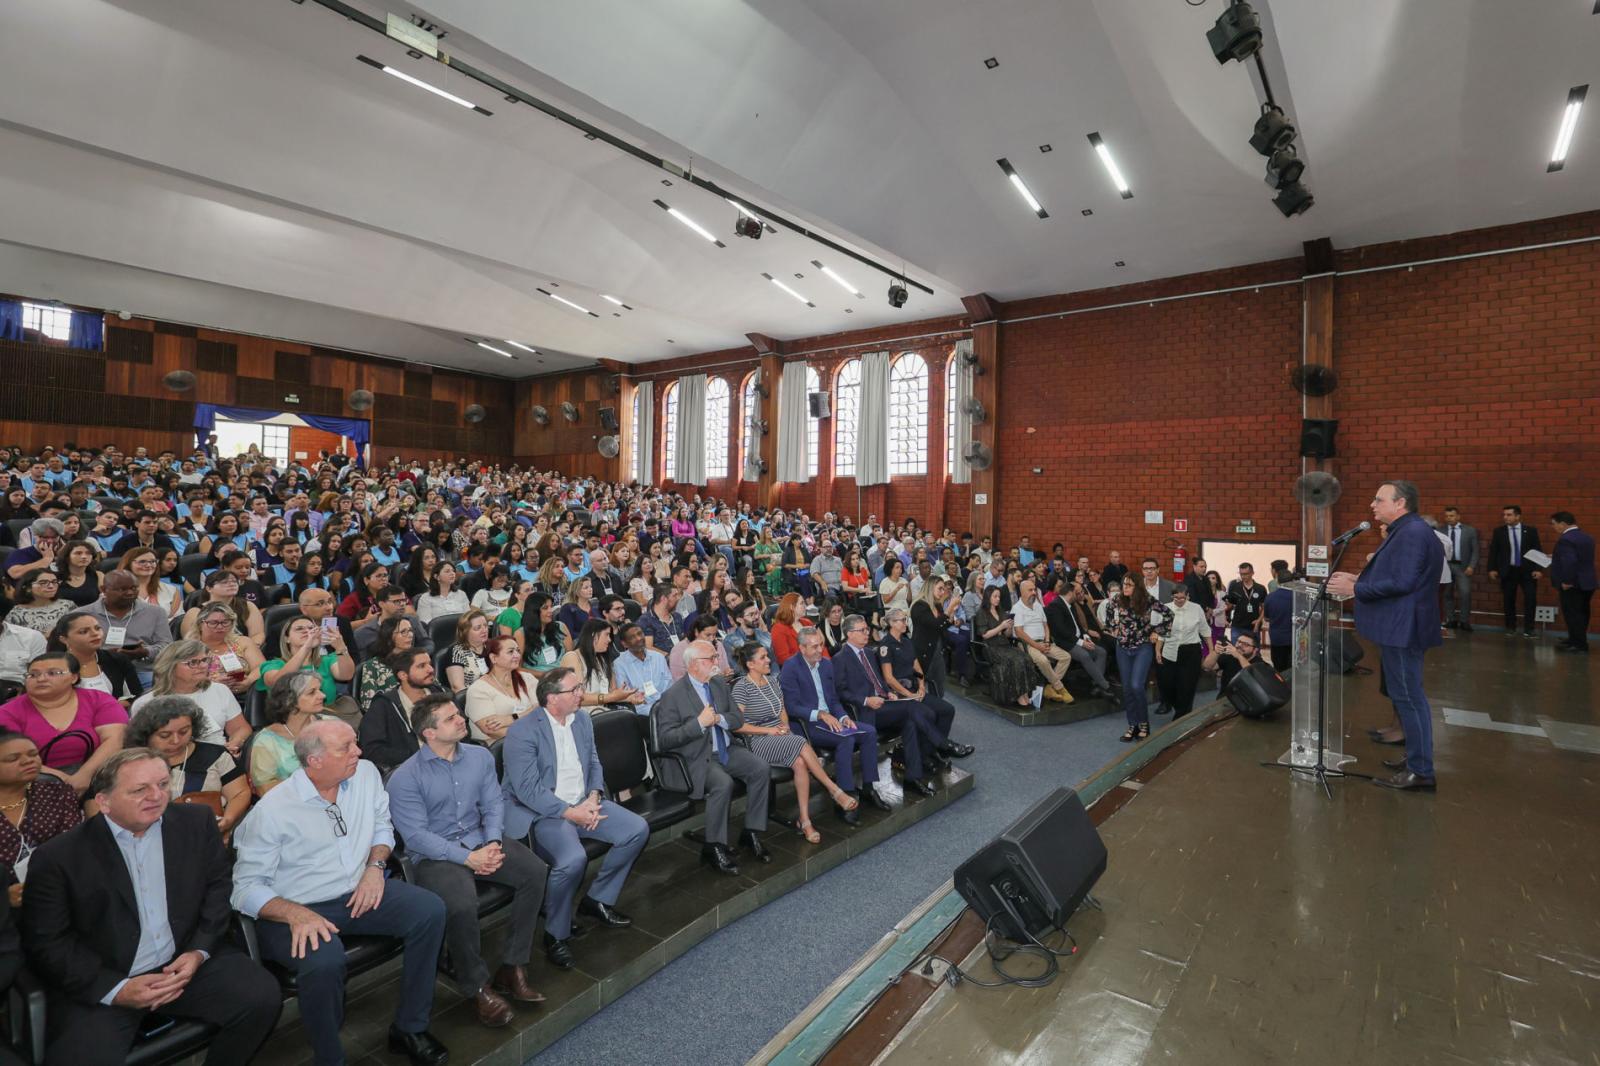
[(722, 1000)]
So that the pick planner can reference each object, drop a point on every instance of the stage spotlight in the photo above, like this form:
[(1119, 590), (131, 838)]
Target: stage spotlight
[(745, 226), (897, 294), (1284, 168), (1237, 34), (1273, 130), (1293, 199)]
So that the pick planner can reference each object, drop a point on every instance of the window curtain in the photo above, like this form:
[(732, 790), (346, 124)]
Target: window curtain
[(961, 473), (359, 430), (644, 432), (692, 429), (792, 428), (872, 421), (87, 331), (10, 320)]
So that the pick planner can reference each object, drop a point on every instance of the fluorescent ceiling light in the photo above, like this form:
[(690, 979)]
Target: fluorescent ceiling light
[(419, 83), (576, 307), (497, 351), (743, 210), (1569, 123), (613, 299), (691, 223), (843, 284), (1022, 188), (788, 290), (524, 347), (1104, 153)]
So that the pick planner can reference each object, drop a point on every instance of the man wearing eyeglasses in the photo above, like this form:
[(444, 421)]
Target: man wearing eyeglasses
[(311, 868), (448, 809), (553, 785), (392, 603)]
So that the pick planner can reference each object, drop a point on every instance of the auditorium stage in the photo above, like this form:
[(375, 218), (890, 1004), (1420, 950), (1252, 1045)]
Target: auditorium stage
[(1248, 919)]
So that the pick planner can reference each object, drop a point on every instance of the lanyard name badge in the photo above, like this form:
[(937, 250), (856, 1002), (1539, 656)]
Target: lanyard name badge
[(116, 636), (230, 662)]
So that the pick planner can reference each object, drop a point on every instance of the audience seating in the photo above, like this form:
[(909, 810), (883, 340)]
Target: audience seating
[(442, 631)]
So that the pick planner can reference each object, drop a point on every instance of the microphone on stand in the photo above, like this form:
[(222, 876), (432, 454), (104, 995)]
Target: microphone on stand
[(1350, 534)]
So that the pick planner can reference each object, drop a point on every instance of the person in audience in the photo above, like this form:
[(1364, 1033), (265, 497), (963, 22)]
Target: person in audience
[(867, 699), (144, 534), (360, 606), (184, 669), (832, 627), (41, 553), (18, 645), (1032, 631), (293, 702), (903, 677), (171, 727), (749, 629), (310, 870), (37, 807), (466, 662), (1221, 609), (695, 719), (491, 594), (787, 624), (662, 626), (98, 668), (1180, 651), (930, 624), (701, 627), (385, 733), (543, 640), (640, 668), (308, 646), (131, 628), (1114, 571), (37, 606), (1136, 622), (317, 605), (392, 605), (766, 730), (80, 580), (145, 566), (502, 695), (578, 607), (449, 812), (590, 660), (374, 674), (442, 598), (1070, 630), (1246, 600), (128, 913), (76, 730), (1229, 657), (894, 590), (222, 588), (554, 789)]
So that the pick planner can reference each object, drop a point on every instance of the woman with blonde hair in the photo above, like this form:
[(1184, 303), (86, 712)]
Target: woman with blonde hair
[(234, 661), (182, 669)]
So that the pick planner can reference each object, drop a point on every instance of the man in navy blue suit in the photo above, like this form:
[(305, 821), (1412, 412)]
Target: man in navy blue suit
[(1572, 573), (1397, 608), (861, 687), (824, 721)]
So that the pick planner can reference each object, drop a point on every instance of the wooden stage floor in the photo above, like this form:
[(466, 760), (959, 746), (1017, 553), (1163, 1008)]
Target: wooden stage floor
[(1248, 919)]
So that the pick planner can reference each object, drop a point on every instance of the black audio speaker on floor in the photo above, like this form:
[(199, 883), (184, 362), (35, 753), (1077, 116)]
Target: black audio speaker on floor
[(608, 419), (1317, 438), (1030, 878), (1257, 690)]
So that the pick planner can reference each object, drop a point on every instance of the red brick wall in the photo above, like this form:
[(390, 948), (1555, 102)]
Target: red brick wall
[(308, 442)]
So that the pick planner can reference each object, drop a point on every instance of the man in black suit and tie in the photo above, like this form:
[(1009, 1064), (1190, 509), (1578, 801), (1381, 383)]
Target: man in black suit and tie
[(1572, 573), (863, 693), (1463, 561), (128, 913), (695, 719), (1508, 564)]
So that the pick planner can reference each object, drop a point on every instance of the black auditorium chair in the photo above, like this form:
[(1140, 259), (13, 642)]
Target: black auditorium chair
[(442, 630), (621, 749), (161, 1039)]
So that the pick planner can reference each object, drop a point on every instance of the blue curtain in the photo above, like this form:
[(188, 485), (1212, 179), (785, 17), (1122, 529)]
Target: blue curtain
[(10, 320), (87, 332), (359, 430)]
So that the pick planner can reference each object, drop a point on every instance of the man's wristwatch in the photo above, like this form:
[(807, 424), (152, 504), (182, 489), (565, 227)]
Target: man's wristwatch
[(380, 865)]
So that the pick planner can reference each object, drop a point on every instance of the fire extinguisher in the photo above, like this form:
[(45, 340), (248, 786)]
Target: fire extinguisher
[(1180, 560)]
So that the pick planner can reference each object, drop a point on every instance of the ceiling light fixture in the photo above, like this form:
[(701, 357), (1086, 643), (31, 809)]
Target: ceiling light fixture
[(1016, 180), (616, 301), (1273, 130), (496, 351), (419, 83), (1293, 199), (691, 223), (839, 281), (576, 307), (1237, 33), (1569, 122), (897, 294), (788, 290), (1104, 153), (524, 347), (1285, 167)]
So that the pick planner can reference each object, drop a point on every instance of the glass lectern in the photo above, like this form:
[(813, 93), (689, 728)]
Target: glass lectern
[(1318, 651)]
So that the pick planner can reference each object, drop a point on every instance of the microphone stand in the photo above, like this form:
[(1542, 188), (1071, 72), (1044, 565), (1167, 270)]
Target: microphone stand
[(1320, 769)]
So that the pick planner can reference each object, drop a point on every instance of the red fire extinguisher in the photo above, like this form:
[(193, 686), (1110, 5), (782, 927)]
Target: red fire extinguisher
[(1180, 560)]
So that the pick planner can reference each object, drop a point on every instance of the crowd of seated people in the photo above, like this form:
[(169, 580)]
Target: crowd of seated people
[(299, 667)]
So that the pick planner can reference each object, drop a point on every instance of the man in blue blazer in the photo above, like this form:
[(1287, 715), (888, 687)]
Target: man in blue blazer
[(861, 689), (824, 721), (1397, 608), (554, 783), (1572, 573)]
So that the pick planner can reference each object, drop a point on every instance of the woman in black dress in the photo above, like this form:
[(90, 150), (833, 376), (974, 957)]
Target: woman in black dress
[(1010, 672), (766, 730)]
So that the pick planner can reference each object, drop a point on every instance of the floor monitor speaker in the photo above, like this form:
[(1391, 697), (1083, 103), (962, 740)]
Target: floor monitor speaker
[(1030, 878), (1257, 690)]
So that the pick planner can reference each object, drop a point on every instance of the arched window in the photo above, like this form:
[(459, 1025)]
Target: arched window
[(813, 431), (633, 441), (846, 417), (908, 415), (749, 415), (717, 401), (950, 416), (669, 432)]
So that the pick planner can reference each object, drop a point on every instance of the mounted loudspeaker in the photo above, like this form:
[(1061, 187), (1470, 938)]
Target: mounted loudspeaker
[(612, 384), (1314, 379), (754, 468), (818, 403), (978, 456), (608, 419), (179, 381), (474, 413), (970, 358), (1317, 438), (1318, 489), (569, 412), (360, 400), (975, 410), (609, 447), (540, 415)]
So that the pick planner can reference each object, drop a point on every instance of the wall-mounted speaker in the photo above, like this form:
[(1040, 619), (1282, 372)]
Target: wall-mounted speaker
[(1317, 438), (608, 419), (818, 402)]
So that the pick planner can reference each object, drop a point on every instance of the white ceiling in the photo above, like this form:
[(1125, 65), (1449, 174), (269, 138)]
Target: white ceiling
[(230, 163)]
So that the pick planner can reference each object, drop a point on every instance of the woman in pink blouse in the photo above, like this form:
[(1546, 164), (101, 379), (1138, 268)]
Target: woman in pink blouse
[(76, 729)]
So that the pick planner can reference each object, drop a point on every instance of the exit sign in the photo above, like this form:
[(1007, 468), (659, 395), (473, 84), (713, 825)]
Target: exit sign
[(1180, 525)]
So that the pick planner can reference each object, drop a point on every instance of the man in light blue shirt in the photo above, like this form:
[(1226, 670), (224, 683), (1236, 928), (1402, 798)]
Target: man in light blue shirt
[(449, 811), (312, 854), (641, 668)]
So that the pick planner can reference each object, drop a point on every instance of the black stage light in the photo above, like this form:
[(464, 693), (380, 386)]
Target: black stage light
[(1273, 130), (1284, 168), (897, 294), (1237, 34), (745, 226), (1293, 199)]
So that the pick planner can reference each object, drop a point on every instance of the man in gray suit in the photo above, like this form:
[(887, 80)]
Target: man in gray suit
[(554, 783), (1463, 557), (1159, 588), (695, 720)]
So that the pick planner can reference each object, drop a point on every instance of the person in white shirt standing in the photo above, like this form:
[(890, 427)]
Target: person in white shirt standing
[(1179, 654)]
